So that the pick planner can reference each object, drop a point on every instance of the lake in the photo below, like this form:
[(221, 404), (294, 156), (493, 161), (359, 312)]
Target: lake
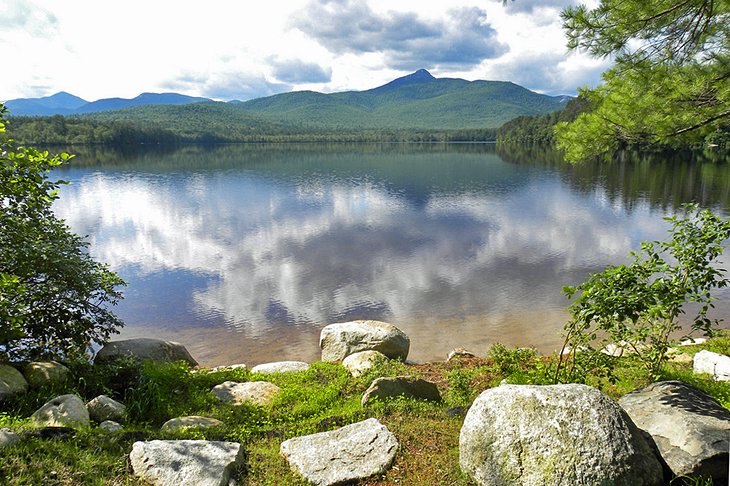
[(244, 252)]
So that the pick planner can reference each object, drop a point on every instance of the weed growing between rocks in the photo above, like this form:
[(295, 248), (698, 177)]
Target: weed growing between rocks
[(325, 397)]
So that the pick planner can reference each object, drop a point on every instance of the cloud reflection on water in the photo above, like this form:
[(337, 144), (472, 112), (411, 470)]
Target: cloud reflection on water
[(258, 250)]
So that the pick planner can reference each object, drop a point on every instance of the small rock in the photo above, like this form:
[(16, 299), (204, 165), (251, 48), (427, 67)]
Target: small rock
[(460, 353), (104, 408), (691, 430), (359, 363), (145, 348), (12, 382), (340, 340), (110, 426), (401, 386), (185, 462), (8, 438), (40, 373), (191, 421), (281, 367), (353, 452), (674, 355), (256, 392), (63, 411)]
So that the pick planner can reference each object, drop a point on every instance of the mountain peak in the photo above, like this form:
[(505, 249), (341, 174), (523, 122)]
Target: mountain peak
[(420, 76)]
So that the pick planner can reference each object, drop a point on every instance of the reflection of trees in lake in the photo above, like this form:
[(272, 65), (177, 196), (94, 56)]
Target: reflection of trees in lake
[(664, 180)]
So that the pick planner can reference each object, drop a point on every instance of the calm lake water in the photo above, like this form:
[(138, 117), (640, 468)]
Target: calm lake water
[(244, 252)]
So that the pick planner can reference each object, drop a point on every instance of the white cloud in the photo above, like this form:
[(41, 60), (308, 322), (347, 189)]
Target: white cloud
[(98, 49)]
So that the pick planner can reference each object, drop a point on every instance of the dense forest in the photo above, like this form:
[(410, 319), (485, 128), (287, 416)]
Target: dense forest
[(539, 129), (108, 130)]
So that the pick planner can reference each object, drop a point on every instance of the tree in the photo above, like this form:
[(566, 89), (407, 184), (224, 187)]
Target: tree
[(670, 84), (637, 305), (53, 295)]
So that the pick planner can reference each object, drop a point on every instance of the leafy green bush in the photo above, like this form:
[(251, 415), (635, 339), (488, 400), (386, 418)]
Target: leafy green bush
[(53, 295), (637, 306)]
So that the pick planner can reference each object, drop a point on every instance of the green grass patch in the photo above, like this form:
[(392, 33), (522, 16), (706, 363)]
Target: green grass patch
[(322, 398)]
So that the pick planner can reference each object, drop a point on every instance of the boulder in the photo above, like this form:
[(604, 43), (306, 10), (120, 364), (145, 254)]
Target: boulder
[(110, 426), (256, 392), (40, 373), (554, 435), (62, 411), (281, 367), (691, 430), (353, 452), (359, 363), (191, 421), (104, 408), (401, 386), (717, 365), (180, 462), (145, 348), (12, 382), (338, 341), (8, 438)]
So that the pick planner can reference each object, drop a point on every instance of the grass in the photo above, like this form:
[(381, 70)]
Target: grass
[(323, 398)]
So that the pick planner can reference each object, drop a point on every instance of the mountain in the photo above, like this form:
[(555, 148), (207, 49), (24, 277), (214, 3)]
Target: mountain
[(67, 104), (61, 103), (417, 100), (109, 104)]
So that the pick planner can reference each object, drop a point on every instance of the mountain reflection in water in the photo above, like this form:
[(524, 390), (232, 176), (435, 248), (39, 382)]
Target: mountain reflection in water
[(245, 252)]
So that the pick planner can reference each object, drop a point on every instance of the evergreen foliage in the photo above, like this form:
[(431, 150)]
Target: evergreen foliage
[(670, 84)]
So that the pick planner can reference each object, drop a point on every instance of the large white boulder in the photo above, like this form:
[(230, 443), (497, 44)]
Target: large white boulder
[(63, 411), (183, 462), (554, 435), (340, 340), (691, 430), (145, 348), (12, 382), (717, 365), (353, 452)]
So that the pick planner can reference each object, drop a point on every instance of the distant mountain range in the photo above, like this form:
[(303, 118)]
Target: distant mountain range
[(67, 104), (415, 101)]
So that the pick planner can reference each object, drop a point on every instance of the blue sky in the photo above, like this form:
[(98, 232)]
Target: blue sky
[(230, 49)]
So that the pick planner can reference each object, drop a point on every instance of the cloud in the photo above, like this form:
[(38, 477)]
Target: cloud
[(298, 71), (28, 17), (463, 38), (531, 6), (551, 74), (227, 86)]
